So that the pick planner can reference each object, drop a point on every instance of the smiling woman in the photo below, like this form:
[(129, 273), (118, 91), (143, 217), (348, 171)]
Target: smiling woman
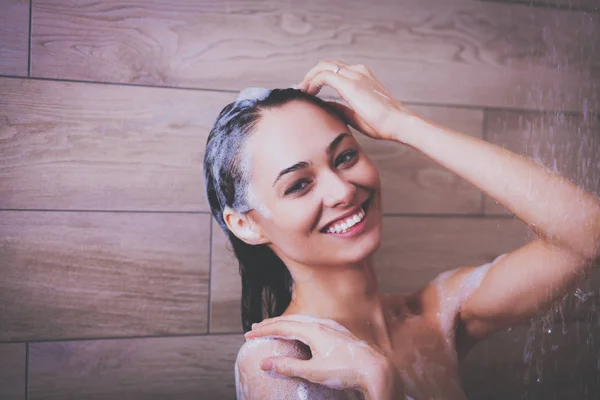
[(234, 149), (301, 204), (297, 196)]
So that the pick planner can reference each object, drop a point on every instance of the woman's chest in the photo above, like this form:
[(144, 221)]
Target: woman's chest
[(426, 359)]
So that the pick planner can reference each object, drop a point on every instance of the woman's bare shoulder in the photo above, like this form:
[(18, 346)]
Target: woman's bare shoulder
[(253, 383)]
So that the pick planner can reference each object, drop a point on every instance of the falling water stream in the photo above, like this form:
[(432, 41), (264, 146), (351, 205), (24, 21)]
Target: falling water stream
[(568, 336)]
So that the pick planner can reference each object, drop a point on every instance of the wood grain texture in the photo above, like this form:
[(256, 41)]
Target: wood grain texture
[(178, 368), (541, 361), (413, 251), (566, 144), (435, 51), (74, 146), (225, 286), (14, 37), (414, 183), (89, 275), (12, 371)]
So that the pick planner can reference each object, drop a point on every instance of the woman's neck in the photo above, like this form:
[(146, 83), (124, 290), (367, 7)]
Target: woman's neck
[(349, 295)]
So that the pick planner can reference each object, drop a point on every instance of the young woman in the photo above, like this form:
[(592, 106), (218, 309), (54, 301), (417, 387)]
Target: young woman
[(301, 204)]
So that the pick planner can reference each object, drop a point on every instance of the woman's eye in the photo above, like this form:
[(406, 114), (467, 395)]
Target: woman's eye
[(347, 156), (297, 186)]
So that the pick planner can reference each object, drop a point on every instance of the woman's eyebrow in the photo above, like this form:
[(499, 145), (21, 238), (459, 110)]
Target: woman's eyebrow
[(303, 164)]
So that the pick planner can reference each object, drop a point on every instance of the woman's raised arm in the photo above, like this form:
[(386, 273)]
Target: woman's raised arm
[(565, 217)]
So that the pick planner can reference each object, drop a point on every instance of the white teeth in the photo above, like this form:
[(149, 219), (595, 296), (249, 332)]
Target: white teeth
[(348, 223)]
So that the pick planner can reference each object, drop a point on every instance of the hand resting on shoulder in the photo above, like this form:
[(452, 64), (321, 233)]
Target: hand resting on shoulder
[(252, 383)]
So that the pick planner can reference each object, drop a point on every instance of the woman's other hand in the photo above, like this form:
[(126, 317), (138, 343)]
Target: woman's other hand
[(339, 359), (373, 110)]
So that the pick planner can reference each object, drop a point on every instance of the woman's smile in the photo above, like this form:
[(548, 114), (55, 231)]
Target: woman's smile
[(351, 226)]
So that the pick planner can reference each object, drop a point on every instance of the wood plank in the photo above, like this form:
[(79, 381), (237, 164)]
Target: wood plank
[(566, 144), (12, 371), (413, 251), (89, 275), (436, 51), (177, 368), (74, 146), (541, 361), (225, 285), (414, 183), (202, 367), (14, 37)]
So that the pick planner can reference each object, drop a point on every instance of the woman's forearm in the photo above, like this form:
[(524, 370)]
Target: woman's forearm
[(554, 208)]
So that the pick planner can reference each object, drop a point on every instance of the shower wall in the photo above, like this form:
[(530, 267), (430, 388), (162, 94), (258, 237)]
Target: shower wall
[(115, 283)]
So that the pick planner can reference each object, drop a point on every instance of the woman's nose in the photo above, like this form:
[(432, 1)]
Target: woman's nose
[(337, 190)]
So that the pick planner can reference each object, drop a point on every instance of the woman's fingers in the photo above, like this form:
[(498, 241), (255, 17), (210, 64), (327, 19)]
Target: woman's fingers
[(321, 66), (285, 366), (293, 330), (347, 71), (302, 318), (352, 118), (336, 81)]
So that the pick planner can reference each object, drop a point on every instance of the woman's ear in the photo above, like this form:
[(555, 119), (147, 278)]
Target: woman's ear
[(243, 227)]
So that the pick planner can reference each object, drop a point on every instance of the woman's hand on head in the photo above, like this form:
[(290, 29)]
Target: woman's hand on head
[(372, 110), (339, 359)]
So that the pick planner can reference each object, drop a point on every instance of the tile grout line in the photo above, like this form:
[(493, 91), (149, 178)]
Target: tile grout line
[(122, 84), (104, 211), (29, 41), (92, 339), (199, 89), (26, 370), (399, 214), (210, 263)]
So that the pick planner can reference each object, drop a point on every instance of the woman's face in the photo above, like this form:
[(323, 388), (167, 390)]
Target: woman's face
[(308, 171)]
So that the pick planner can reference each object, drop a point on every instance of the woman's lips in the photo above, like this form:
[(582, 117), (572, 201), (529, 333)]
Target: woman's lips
[(364, 207)]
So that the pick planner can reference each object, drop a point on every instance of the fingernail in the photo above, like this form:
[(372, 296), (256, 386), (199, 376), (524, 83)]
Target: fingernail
[(266, 364), (254, 325)]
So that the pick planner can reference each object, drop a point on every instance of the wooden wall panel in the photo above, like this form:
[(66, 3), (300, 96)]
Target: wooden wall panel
[(178, 368), (89, 275), (414, 183), (12, 371), (541, 361), (103, 147), (413, 251), (14, 38), (225, 285), (450, 52), (567, 144)]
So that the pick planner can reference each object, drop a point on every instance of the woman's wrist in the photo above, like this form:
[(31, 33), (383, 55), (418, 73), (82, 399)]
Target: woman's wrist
[(408, 127)]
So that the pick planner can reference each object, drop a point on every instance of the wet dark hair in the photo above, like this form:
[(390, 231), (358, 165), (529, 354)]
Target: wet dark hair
[(266, 281)]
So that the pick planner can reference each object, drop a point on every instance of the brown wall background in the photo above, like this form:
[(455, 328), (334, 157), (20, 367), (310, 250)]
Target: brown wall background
[(114, 281)]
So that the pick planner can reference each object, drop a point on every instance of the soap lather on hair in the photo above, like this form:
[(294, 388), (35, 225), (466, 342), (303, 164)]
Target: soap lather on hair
[(256, 93)]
